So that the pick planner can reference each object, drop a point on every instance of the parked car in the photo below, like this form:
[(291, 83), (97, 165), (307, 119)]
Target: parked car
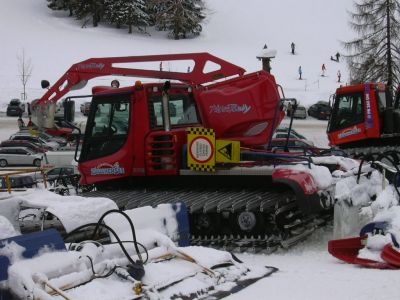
[(63, 171), (85, 108), (295, 145), (30, 145), (35, 139), (47, 137), (320, 110), (282, 133), (57, 173), (15, 108), (17, 181), (19, 156), (300, 112)]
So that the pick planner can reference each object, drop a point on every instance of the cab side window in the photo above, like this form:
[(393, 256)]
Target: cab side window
[(182, 111)]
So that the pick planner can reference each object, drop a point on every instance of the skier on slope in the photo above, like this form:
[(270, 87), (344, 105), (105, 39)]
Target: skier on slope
[(300, 72), (292, 46), (323, 70)]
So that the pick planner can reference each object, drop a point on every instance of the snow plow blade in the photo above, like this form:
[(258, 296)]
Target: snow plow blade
[(138, 261), (347, 250), (391, 256)]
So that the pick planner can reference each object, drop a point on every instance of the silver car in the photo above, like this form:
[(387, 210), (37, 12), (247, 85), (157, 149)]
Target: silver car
[(22, 136), (19, 156), (300, 112)]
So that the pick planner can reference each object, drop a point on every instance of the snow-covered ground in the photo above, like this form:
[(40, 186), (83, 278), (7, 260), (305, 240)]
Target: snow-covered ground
[(235, 32)]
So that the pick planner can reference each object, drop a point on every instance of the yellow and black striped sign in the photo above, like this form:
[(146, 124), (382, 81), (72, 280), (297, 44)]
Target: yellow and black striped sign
[(201, 149)]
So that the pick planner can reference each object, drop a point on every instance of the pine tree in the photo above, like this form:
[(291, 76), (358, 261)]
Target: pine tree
[(180, 17), (60, 5), (127, 12), (84, 9), (373, 56)]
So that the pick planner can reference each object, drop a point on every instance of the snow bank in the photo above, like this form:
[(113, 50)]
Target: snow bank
[(73, 211), (6, 229)]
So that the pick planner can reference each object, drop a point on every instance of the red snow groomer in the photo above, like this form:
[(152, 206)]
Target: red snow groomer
[(365, 121), (199, 137)]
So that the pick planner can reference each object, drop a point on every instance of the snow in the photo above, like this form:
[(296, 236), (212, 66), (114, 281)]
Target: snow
[(237, 33), (7, 230), (73, 211)]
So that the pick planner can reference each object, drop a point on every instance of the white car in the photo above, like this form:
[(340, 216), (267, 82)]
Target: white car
[(19, 156)]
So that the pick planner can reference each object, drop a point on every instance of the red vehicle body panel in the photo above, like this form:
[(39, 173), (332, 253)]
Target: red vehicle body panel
[(237, 108), (231, 108), (304, 180)]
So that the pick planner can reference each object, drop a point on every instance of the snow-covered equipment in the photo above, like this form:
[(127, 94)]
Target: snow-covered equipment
[(134, 263), (374, 248), (358, 199)]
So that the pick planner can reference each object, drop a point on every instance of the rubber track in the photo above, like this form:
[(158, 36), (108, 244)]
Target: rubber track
[(279, 222)]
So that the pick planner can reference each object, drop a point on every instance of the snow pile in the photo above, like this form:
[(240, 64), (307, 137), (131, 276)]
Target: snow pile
[(6, 228), (344, 163), (374, 246), (160, 219), (12, 251), (321, 175), (73, 211), (347, 189), (372, 199)]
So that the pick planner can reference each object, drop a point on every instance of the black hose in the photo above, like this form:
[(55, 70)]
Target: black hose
[(130, 224), (115, 235)]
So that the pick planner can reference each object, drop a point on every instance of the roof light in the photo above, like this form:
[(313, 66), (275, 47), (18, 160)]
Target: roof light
[(138, 85), (115, 83)]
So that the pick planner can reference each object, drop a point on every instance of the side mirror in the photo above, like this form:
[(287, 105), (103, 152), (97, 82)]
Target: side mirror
[(45, 84)]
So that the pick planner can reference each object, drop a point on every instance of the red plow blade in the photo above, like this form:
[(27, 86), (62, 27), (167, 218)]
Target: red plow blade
[(347, 251), (391, 256)]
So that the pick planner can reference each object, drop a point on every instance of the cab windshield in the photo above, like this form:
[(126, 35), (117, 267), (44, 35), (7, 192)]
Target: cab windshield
[(107, 126), (348, 111)]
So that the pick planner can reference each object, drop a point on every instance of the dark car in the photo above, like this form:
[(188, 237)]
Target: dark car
[(320, 110), (15, 108), (294, 145), (17, 143), (58, 172), (17, 181)]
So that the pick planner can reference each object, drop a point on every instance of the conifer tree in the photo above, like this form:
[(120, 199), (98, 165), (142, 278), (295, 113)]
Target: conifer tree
[(180, 17), (61, 5), (84, 9), (374, 55), (127, 12)]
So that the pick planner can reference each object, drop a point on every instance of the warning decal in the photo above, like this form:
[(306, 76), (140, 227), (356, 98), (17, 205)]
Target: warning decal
[(228, 151), (201, 149)]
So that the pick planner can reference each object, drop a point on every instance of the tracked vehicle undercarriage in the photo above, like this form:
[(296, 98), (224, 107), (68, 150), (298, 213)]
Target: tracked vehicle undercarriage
[(230, 212)]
